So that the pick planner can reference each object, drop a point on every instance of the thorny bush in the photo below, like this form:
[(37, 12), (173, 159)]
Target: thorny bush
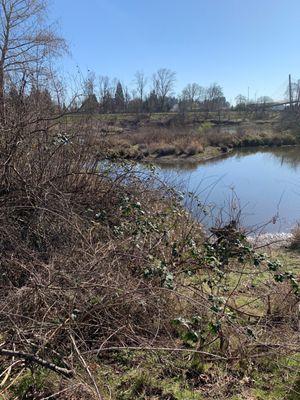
[(99, 256)]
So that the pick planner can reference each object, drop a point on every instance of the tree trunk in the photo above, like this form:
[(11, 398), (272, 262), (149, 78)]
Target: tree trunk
[(2, 105)]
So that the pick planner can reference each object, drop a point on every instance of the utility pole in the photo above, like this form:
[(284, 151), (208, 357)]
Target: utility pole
[(290, 91)]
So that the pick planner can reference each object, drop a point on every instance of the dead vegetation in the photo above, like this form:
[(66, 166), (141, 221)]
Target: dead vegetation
[(98, 259), (181, 141), (109, 288), (295, 244)]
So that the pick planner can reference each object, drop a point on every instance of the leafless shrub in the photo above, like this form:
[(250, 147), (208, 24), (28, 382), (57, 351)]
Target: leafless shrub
[(97, 257), (295, 244)]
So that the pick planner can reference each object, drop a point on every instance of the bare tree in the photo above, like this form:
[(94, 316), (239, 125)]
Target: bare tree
[(107, 89), (215, 97), (264, 99), (163, 85), (294, 92), (140, 84), (104, 87), (192, 94), (90, 84), (26, 42), (241, 99), (127, 98)]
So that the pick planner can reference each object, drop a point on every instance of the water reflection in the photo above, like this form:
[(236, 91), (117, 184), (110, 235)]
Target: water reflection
[(265, 182)]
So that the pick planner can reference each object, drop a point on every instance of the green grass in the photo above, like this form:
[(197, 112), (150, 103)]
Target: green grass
[(137, 376), (172, 377)]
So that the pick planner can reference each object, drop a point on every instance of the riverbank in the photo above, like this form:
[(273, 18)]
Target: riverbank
[(209, 153), (192, 144)]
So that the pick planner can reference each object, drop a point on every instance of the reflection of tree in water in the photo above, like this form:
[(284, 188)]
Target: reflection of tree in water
[(285, 155), (178, 166)]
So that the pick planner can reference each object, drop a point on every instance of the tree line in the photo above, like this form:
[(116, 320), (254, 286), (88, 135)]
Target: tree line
[(27, 77), (155, 94)]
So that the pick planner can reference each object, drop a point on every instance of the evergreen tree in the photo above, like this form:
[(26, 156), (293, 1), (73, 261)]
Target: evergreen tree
[(119, 98), (90, 105)]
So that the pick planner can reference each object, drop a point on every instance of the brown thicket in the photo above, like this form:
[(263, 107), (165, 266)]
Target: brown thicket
[(97, 258)]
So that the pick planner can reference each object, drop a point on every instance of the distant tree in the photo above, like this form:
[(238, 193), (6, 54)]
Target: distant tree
[(134, 105), (90, 105), (265, 99), (215, 98), (140, 85), (103, 87), (171, 103), (295, 92), (26, 44), (214, 91), (106, 94), (41, 99), (241, 102), (240, 99), (127, 98), (192, 94), (89, 84), (163, 85), (14, 99), (119, 98), (151, 103)]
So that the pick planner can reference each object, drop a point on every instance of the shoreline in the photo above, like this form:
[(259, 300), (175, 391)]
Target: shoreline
[(212, 153)]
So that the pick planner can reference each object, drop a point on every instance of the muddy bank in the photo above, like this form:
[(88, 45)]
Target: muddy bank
[(209, 153)]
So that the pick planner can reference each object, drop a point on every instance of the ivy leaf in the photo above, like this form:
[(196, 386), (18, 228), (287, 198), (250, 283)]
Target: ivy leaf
[(250, 332), (215, 327), (279, 277), (169, 281), (190, 336)]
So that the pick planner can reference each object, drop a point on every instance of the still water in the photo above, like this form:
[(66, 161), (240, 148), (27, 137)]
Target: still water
[(262, 185)]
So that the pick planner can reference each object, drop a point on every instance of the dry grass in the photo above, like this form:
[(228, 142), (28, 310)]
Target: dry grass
[(184, 141), (295, 244), (158, 142)]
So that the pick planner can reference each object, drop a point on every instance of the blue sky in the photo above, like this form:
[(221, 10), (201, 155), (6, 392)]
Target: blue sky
[(237, 43)]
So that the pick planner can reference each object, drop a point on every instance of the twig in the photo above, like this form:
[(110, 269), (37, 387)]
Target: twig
[(86, 367), (131, 348), (12, 382), (35, 359), (7, 372)]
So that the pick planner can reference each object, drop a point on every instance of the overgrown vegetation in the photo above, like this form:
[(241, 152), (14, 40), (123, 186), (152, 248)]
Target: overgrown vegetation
[(109, 288), (199, 141)]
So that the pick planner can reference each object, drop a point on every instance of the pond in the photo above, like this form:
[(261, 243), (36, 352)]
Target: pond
[(260, 186)]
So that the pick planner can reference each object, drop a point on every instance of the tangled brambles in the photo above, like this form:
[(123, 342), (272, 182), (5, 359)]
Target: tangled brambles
[(98, 259)]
